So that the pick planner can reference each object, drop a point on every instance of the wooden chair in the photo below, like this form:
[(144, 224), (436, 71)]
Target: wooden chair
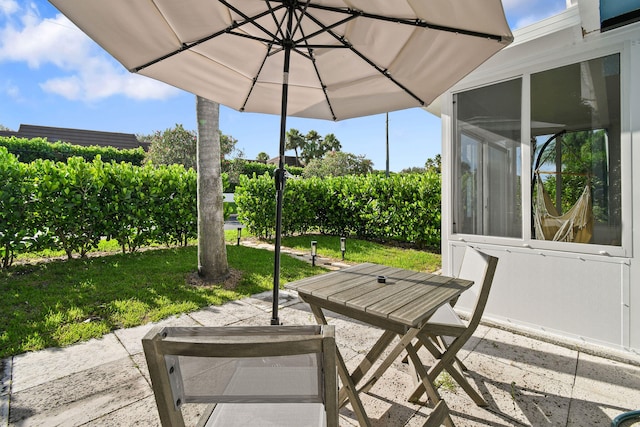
[(248, 376), (446, 333)]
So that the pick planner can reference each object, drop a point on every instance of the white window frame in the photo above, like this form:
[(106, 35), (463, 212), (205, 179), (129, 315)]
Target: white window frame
[(551, 61)]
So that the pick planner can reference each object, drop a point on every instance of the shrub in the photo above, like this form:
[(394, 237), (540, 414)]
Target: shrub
[(127, 205), (17, 225), (256, 203), (174, 206), (69, 204), (404, 208), (29, 150)]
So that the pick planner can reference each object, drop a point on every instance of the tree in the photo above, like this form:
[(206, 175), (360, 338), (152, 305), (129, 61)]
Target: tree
[(413, 169), (311, 148), (262, 157), (227, 145), (212, 250), (434, 164), (315, 146), (338, 163), (173, 146), (294, 140), (331, 143), (178, 146)]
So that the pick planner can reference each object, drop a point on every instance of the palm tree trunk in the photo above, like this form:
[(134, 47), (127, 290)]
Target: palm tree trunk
[(212, 251)]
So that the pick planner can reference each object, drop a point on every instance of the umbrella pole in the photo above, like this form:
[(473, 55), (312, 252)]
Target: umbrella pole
[(279, 174)]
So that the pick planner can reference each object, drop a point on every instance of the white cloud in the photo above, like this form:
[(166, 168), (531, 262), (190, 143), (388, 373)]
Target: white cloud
[(8, 7), (12, 91), (91, 86), (90, 73)]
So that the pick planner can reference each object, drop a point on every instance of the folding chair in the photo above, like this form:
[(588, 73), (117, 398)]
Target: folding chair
[(439, 416), (248, 376), (446, 333)]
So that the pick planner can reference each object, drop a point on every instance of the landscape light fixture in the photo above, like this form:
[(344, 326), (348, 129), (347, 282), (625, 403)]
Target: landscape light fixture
[(314, 252), (239, 234), (343, 246)]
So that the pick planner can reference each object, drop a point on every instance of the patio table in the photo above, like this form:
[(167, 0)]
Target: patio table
[(400, 304)]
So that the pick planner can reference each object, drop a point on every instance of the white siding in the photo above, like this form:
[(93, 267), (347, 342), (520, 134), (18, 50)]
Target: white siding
[(571, 295)]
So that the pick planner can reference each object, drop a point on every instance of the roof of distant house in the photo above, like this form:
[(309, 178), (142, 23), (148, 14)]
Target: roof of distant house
[(288, 161), (78, 136)]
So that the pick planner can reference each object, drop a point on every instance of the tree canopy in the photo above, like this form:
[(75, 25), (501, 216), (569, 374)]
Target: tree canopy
[(295, 141), (177, 145), (338, 163), (433, 164), (312, 145)]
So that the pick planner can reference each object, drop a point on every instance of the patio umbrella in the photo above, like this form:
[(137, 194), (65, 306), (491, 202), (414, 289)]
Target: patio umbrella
[(327, 59)]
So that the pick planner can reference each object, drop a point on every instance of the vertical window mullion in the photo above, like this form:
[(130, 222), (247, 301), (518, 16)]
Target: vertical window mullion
[(527, 155)]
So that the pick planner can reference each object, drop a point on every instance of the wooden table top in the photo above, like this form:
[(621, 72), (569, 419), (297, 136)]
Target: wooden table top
[(406, 300)]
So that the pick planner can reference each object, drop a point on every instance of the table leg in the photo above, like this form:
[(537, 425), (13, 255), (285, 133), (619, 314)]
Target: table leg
[(371, 357), (403, 345), (348, 385)]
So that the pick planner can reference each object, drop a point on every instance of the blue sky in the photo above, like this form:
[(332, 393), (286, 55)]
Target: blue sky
[(51, 74)]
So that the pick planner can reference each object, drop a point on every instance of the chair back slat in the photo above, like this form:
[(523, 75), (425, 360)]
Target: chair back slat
[(480, 268)]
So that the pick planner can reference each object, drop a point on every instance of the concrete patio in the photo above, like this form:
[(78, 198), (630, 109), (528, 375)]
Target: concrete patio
[(525, 381)]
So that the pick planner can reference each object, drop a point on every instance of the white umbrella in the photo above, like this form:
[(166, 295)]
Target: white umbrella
[(328, 59)]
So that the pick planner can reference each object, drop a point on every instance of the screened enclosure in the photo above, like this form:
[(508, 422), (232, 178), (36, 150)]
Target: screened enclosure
[(576, 161), (488, 172), (575, 156)]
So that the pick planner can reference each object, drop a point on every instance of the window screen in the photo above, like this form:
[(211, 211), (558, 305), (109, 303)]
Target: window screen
[(487, 196)]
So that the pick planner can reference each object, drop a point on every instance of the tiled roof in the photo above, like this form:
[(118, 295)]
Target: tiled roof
[(288, 161), (78, 136)]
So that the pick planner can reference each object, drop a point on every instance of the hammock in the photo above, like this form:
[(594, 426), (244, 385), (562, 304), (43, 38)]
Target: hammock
[(576, 225)]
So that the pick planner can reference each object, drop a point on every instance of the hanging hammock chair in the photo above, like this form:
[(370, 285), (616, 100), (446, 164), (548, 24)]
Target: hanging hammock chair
[(576, 225)]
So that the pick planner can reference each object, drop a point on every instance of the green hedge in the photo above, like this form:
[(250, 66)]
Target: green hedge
[(29, 150), (403, 208), (71, 206), (17, 223)]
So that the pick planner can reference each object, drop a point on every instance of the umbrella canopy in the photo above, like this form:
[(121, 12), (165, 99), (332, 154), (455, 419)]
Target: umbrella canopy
[(327, 59), (350, 58)]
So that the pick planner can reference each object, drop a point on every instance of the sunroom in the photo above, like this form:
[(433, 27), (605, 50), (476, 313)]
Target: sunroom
[(539, 147)]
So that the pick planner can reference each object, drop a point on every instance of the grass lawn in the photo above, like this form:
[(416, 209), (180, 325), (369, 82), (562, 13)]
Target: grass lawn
[(359, 251), (61, 302)]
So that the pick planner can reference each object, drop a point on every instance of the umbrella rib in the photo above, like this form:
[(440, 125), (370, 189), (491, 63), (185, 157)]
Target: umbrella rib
[(255, 79), (269, 52), (411, 22), (252, 20), (260, 39), (188, 46), (303, 12), (315, 67), (359, 54), (270, 43), (324, 29), (275, 19)]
